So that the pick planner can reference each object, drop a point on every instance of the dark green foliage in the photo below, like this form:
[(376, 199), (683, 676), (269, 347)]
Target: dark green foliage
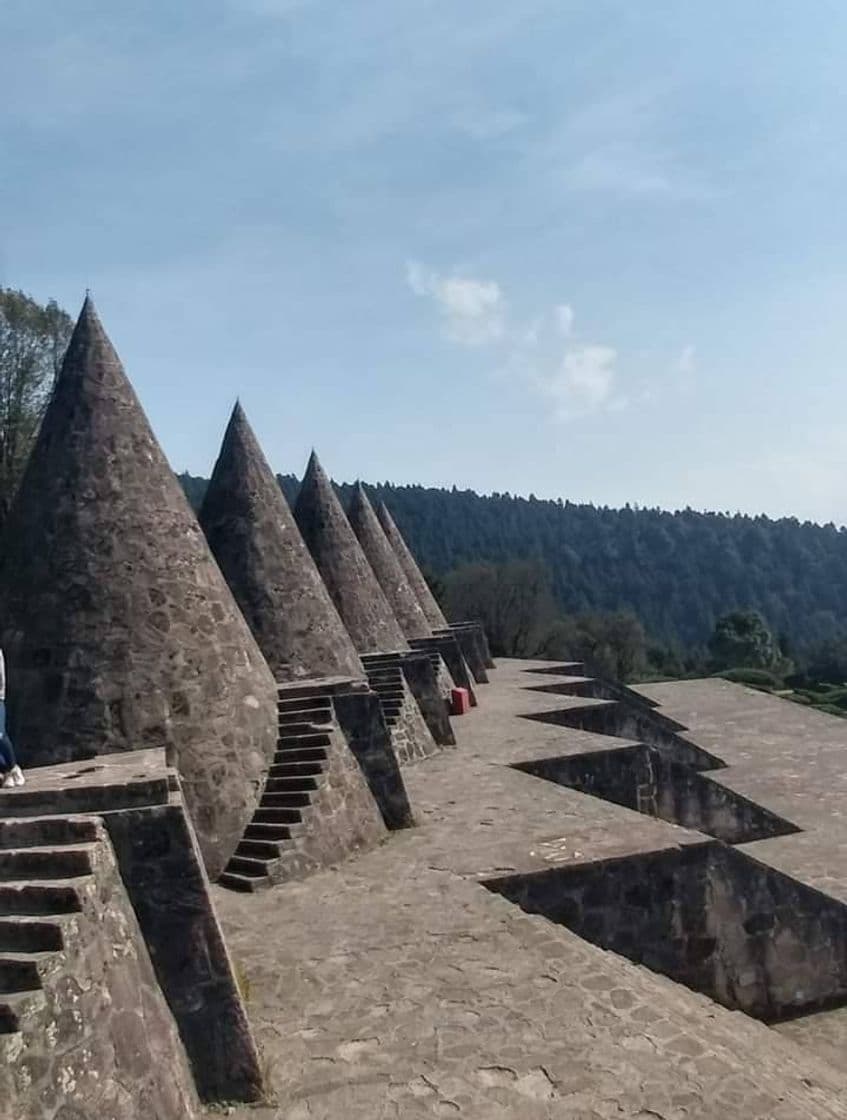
[(742, 638), (195, 489), (757, 678), (678, 573), (513, 602), (33, 340), (611, 645)]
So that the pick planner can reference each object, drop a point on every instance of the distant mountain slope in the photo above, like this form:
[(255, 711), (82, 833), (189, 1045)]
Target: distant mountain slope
[(677, 571)]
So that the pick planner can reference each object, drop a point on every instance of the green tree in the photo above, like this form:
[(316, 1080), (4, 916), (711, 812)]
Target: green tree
[(742, 639), (611, 644), (33, 340), (513, 601)]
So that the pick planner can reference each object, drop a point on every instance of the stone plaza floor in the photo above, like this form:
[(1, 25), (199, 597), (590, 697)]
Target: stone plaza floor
[(397, 986)]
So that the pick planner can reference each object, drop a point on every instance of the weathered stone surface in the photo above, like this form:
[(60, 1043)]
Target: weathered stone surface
[(360, 717), (346, 572), (101, 1043), (643, 779), (254, 538), (136, 796), (119, 630), (163, 875), (410, 991), (387, 567), (472, 642), (423, 683), (451, 654), (709, 917), (430, 607)]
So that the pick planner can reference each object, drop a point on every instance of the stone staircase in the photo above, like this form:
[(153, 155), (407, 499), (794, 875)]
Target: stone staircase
[(316, 807), (385, 677), (306, 723), (43, 865)]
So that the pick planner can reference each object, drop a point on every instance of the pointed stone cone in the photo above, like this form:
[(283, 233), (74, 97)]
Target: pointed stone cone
[(119, 630), (255, 540), (386, 566), (430, 607), (346, 572)]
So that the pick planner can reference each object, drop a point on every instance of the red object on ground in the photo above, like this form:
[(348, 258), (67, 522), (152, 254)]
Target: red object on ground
[(460, 702)]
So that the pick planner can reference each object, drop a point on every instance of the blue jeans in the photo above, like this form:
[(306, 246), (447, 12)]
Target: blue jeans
[(7, 751)]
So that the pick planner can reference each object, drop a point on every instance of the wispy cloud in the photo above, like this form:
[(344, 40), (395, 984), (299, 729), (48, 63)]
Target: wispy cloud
[(577, 378), (472, 311)]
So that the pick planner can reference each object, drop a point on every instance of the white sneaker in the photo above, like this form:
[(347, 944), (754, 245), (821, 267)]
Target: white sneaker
[(18, 776), (8, 781)]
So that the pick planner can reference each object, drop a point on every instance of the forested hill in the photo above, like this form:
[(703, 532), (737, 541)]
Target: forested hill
[(677, 571)]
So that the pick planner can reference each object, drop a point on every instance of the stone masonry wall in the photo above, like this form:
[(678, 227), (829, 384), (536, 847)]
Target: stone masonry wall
[(410, 735), (342, 818), (359, 715), (105, 1045), (708, 916), (164, 877)]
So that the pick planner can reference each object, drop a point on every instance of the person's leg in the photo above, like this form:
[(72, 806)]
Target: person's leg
[(13, 775), (7, 751)]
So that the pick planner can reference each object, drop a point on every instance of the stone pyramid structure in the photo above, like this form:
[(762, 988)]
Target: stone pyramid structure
[(469, 636), (386, 566), (434, 614), (119, 630), (354, 588), (254, 537)]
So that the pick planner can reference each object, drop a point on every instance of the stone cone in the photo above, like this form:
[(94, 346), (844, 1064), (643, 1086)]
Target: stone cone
[(346, 572), (434, 614), (254, 537), (386, 566), (119, 630)]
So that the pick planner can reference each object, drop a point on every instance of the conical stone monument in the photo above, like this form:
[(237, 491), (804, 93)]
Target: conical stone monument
[(254, 537), (469, 635), (346, 572), (387, 567), (119, 630), (434, 614)]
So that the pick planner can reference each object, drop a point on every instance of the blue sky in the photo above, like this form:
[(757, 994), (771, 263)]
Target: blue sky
[(583, 249)]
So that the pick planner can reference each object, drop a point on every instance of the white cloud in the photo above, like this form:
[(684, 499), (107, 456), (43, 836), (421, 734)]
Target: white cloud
[(686, 364), (584, 381), (564, 319), (578, 377), (472, 310)]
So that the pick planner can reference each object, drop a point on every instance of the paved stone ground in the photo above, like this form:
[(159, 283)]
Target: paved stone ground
[(396, 986)]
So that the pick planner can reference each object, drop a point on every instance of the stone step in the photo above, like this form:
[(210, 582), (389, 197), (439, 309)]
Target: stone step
[(30, 935), (390, 693), (392, 721), (296, 769), (249, 866), (300, 754), (259, 831), (294, 800), (305, 704), (253, 849), (261, 816), (53, 832), (308, 739), (243, 883), (369, 659), (41, 898), (385, 678), (391, 707), (303, 727), (15, 1007), (45, 863), (19, 971), (290, 783), (81, 798)]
